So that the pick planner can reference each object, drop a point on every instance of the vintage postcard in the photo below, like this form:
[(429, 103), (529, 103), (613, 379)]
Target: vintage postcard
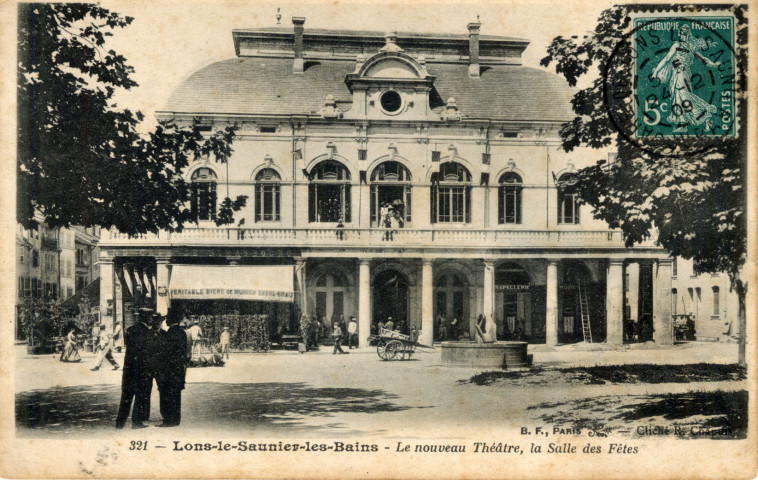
[(361, 239)]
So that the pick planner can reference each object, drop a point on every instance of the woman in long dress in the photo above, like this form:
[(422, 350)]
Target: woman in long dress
[(675, 70), (71, 350)]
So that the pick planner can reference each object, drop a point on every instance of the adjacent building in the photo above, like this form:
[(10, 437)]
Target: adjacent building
[(402, 175), (54, 263)]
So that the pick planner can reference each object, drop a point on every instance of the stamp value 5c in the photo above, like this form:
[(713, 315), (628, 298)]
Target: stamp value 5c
[(684, 76)]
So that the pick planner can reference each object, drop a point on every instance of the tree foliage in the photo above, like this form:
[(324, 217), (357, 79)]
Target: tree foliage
[(81, 160), (695, 202)]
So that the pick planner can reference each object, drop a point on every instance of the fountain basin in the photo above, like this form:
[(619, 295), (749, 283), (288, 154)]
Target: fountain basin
[(507, 355)]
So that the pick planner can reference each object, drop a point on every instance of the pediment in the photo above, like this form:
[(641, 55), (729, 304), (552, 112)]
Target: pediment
[(391, 68)]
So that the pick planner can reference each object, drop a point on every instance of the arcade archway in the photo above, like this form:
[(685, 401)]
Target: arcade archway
[(581, 295), (513, 305), (391, 299)]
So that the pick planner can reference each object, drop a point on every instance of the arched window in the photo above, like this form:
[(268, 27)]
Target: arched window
[(509, 198), (390, 194), (716, 301), (267, 196), (204, 194), (568, 207), (451, 194), (329, 193)]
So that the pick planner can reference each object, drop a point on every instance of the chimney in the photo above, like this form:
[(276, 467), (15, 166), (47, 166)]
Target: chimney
[(297, 66), (473, 49)]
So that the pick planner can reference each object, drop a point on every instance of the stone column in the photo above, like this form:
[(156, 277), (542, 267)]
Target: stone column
[(488, 291), (300, 275), (163, 274), (364, 301), (107, 304), (614, 302), (427, 308), (662, 302), (633, 290), (551, 307)]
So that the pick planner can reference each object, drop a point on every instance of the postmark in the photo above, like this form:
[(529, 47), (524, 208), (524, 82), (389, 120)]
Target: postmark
[(672, 82)]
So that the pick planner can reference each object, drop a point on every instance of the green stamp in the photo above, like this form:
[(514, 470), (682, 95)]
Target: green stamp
[(684, 76)]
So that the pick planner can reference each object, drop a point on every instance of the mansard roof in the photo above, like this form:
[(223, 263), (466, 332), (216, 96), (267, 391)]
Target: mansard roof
[(267, 86)]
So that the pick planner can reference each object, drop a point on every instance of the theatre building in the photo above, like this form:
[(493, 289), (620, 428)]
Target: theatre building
[(408, 175)]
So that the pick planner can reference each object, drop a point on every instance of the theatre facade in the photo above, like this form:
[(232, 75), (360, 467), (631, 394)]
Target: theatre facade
[(402, 175)]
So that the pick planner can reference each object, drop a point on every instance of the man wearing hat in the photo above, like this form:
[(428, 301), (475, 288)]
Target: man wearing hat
[(137, 380), (105, 346), (224, 341), (390, 325), (171, 374), (196, 335)]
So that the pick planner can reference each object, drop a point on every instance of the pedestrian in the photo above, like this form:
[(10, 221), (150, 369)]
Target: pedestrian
[(352, 332), (442, 326), (185, 326), (71, 350), (196, 334), (224, 341), (413, 337), (95, 336), (337, 337), (379, 327), (118, 337), (389, 324), (137, 380), (172, 373), (105, 350), (453, 332), (343, 325)]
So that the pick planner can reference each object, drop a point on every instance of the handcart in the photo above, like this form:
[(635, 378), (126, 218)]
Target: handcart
[(392, 345)]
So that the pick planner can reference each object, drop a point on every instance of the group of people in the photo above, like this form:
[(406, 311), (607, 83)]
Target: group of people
[(340, 332), (311, 332), (156, 348)]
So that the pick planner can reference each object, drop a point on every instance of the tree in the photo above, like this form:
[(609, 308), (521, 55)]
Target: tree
[(81, 160), (691, 191)]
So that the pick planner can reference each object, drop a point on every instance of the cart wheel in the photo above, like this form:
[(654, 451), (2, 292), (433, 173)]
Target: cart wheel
[(393, 349), (381, 350)]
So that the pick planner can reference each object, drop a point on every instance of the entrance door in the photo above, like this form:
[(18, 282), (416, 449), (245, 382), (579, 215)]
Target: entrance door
[(450, 307), (391, 299), (513, 302), (330, 298)]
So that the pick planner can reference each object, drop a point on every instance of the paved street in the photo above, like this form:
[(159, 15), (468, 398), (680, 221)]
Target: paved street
[(281, 393)]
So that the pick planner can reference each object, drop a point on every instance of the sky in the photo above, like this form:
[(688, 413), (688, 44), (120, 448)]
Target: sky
[(169, 40)]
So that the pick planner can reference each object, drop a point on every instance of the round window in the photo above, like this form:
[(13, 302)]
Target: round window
[(391, 101)]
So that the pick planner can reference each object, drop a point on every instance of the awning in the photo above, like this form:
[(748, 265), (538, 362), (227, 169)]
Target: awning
[(232, 282), (91, 291)]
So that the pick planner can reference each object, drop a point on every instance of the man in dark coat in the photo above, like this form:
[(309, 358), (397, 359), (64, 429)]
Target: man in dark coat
[(170, 374), (137, 380)]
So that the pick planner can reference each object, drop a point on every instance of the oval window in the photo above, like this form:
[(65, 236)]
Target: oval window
[(391, 101)]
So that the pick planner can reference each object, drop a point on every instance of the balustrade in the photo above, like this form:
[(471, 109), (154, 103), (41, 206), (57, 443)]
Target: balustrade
[(370, 236)]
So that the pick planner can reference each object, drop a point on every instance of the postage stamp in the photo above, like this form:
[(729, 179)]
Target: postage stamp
[(684, 76)]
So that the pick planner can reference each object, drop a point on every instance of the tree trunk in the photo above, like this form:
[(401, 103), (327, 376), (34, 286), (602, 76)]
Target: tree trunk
[(741, 289)]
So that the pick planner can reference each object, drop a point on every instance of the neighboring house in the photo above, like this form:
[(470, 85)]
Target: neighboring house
[(47, 262), (708, 298), (408, 175)]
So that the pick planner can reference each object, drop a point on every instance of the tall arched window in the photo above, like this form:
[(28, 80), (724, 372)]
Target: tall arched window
[(509, 198), (568, 207), (390, 194), (329, 193), (204, 194), (451, 194), (267, 196), (716, 301)]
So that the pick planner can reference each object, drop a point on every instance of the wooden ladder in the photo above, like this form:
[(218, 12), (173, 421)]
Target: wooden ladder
[(584, 310)]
